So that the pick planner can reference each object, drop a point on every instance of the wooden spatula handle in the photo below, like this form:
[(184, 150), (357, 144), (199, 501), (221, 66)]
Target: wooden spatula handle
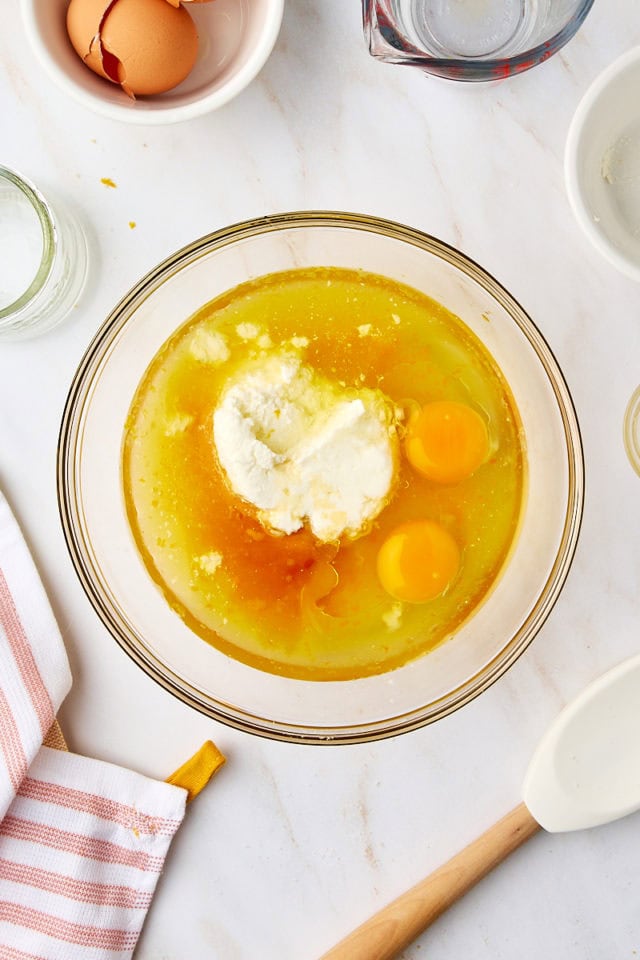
[(394, 927)]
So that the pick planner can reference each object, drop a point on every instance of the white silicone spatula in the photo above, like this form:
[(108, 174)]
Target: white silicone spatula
[(585, 771)]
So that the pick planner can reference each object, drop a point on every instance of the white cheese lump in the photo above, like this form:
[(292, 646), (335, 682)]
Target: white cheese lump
[(304, 450)]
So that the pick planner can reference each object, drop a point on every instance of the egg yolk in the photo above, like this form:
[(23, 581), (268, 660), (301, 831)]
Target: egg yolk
[(446, 441), (418, 561)]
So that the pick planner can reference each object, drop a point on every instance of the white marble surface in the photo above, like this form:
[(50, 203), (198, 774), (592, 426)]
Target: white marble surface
[(290, 847)]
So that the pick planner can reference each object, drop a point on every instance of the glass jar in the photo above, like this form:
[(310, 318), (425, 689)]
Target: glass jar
[(43, 260)]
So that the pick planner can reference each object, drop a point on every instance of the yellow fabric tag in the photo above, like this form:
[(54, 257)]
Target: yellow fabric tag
[(55, 737), (192, 776), (195, 774)]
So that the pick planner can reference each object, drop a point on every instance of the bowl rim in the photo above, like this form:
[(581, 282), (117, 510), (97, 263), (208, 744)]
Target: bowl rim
[(159, 115), (80, 391), (49, 233), (573, 153), (631, 430)]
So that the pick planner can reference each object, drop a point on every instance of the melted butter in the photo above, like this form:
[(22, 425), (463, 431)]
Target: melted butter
[(290, 604)]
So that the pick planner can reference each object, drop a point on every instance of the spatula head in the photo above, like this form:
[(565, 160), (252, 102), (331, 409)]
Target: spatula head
[(586, 769)]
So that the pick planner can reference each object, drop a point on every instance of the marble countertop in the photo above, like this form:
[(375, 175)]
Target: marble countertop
[(292, 846)]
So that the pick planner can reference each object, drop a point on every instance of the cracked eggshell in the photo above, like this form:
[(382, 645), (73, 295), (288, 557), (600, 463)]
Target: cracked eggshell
[(236, 38), (84, 19), (147, 46)]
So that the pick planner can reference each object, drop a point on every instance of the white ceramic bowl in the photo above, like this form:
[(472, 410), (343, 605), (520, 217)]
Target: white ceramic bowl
[(235, 39), (602, 163)]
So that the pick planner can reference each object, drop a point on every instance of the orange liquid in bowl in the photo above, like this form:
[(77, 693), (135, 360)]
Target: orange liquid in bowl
[(291, 604)]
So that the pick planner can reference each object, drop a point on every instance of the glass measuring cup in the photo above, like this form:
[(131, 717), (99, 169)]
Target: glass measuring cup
[(470, 39)]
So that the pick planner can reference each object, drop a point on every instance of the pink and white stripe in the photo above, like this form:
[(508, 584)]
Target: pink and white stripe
[(82, 842), (34, 670)]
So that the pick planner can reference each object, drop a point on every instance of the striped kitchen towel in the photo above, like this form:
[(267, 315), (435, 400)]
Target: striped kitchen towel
[(82, 842), (34, 670), (81, 849)]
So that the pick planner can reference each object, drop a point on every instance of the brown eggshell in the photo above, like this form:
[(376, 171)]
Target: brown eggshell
[(155, 43), (176, 3), (95, 61), (147, 46), (84, 19)]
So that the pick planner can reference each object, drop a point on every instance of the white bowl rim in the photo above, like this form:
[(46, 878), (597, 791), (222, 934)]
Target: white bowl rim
[(598, 238), (164, 115)]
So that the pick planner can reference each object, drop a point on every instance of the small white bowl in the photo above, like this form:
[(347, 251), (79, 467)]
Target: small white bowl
[(602, 163), (235, 39)]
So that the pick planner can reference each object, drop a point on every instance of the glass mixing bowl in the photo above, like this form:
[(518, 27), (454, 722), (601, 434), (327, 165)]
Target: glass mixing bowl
[(133, 608)]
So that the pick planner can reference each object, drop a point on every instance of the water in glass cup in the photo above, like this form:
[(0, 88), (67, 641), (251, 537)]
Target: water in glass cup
[(43, 259), (470, 28), (21, 244)]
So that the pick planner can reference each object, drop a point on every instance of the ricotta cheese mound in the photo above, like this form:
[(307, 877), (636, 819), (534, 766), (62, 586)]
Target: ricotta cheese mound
[(304, 450)]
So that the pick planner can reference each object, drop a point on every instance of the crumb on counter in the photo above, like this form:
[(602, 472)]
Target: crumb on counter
[(132, 224), (108, 182)]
